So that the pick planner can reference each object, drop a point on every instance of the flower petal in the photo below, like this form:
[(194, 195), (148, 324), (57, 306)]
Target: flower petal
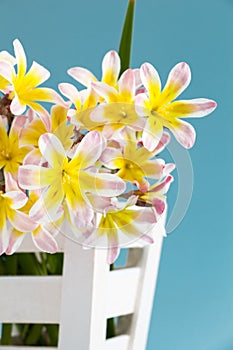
[(107, 185), (127, 85), (82, 75), (198, 107), (152, 133), (183, 132), (17, 106), (151, 80), (47, 206), (33, 177), (111, 66), (20, 58), (16, 238), (44, 240), (178, 80), (20, 221), (36, 75), (52, 150), (89, 150), (7, 71), (4, 235), (70, 91), (108, 92), (17, 199)]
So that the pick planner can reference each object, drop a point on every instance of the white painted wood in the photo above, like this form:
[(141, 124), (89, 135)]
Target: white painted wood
[(120, 342), (149, 258), (30, 299), (122, 291), (83, 320)]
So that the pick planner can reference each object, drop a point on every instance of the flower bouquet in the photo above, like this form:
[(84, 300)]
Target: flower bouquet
[(89, 168)]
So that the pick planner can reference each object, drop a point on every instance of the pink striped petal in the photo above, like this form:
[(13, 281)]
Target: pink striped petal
[(106, 185), (113, 253), (108, 92), (46, 209), (151, 80), (70, 91), (137, 77), (82, 75), (127, 85), (111, 66), (164, 141), (20, 58), (197, 108), (152, 133), (10, 183), (33, 177), (16, 238), (44, 240), (89, 150), (80, 212), (161, 188), (52, 150), (17, 199), (109, 157), (20, 221), (184, 133), (178, 80), (33, 157)]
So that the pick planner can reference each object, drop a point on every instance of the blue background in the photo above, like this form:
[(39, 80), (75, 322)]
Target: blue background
[(193, 307)]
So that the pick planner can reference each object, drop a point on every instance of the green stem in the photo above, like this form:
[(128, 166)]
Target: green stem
[(34, 334), (126, 37), (6, 334), (52, 330)]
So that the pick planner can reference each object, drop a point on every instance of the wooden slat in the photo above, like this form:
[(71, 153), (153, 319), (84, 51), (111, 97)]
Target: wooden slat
[(122, 291), (117, 343), (83, 316), (30, 299)]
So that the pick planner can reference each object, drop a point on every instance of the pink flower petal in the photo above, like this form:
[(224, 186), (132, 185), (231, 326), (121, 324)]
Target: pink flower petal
[(20, 58), (106, 91), (17, 198), (152, 133), (111, 66), (184, 133), (36, 75), (127, 85), (151, 80), (197, 108), (7, 71), (17, 107), (20, 221), (159, 204), (178, 80), (52, 150), (16, 238), (44, 241), (33, 177), (89, 150), (82, 75), (70, 91), (4, 236)]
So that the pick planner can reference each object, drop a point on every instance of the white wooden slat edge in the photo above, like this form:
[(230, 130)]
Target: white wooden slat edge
[(27, 299), (120, 342), (149, 264), (83, 315), (122, 291)]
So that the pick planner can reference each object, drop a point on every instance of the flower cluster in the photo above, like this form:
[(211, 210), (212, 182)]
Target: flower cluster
[(88, 167)]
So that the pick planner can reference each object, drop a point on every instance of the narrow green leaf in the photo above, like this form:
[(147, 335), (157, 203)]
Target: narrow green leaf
[(126, 37)]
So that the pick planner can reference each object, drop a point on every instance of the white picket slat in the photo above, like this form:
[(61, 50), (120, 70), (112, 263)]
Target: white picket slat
[(120, 342), (27, 299), (122, 291)]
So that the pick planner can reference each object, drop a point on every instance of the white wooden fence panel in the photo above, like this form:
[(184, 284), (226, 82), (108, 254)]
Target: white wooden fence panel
[(122, 291), (120, 342), (83, 320), (26, 299)]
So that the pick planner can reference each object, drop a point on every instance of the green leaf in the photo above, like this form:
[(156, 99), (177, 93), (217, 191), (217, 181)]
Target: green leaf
[(126, 37)]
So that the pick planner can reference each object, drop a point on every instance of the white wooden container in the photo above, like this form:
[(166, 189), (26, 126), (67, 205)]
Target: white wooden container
[(85, 296)]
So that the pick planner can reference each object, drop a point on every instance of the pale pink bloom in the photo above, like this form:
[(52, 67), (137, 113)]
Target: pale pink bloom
[(161, 111)]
